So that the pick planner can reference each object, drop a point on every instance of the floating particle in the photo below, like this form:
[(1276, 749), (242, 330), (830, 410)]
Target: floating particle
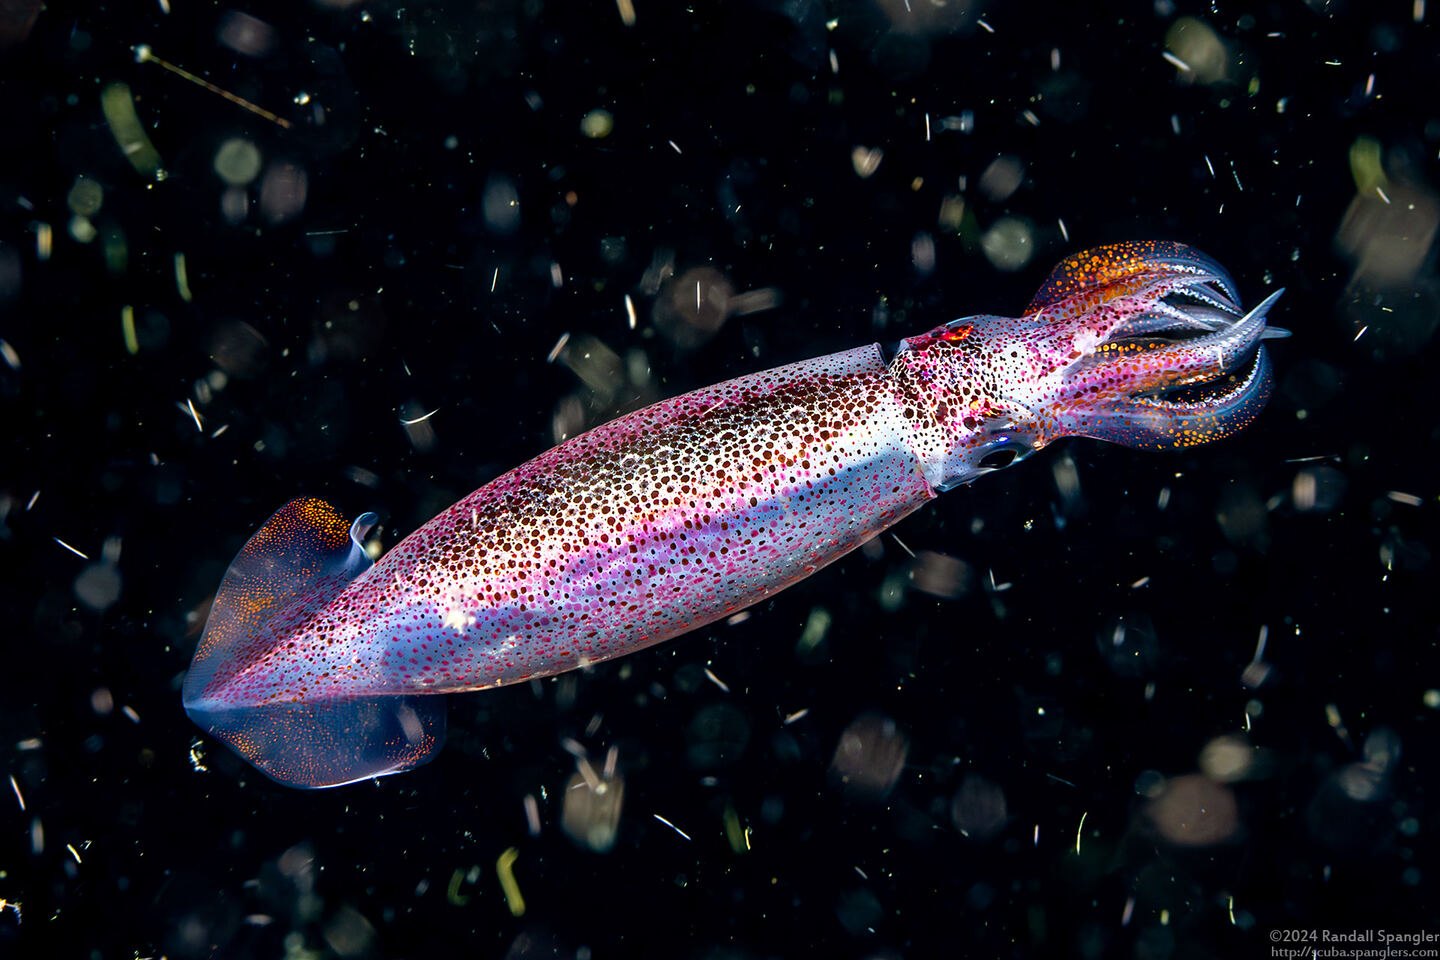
[(817, 625), (961, 123), (671, 825), (866, 160), (922, 253), (418, 429), (559, 347), (755, 301), (1227, 759), (978, 809), (143, 54), (505, 870), (283, 192), (1008, 244), (1002, 177), (870, 756), (1194, 811), (85, 197), (1176, 61), (118, 107), (246, 34), (500, 204), (941, 575), (594, 362), (692, 308), (97, 587), (70, 548), (1317, 489), (1196, 51), (238, 161), (597, 124), (590, 808)]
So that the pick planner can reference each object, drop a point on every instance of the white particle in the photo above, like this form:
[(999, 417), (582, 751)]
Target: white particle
[(671, 825)]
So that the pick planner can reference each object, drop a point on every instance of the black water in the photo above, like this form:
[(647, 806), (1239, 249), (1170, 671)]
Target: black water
[(1082, 683)]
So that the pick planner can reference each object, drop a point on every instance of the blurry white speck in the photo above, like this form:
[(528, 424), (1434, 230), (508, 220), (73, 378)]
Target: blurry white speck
[(1176, 61), (67, 546), (716, 680), (556, 350), (985, 26), (674, 146), (420, 419), (671, 825)]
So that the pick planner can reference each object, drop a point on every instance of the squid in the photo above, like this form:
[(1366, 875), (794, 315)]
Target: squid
[(322, 668)]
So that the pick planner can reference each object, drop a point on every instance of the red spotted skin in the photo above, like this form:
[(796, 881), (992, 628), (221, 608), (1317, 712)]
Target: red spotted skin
[(641, 529)]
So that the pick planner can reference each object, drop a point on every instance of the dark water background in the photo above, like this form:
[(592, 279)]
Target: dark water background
[(452, 147)]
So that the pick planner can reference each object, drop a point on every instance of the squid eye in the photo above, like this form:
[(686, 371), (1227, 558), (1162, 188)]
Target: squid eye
[(999, 459)]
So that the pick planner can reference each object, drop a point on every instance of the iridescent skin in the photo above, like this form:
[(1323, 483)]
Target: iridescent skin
[(315, 668)]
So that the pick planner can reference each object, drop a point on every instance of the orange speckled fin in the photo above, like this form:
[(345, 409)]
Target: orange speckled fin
[(1084, 280), (287, 571)]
